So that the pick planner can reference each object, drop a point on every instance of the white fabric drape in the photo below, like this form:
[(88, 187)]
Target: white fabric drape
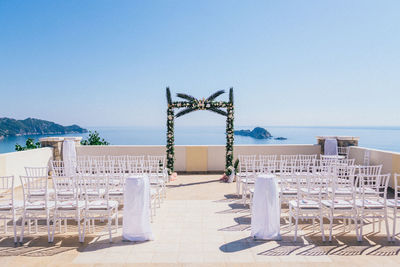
[(69, 156), (265, 218), (136, 219), (331, 147)]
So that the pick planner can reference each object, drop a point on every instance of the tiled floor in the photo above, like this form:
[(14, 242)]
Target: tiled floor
[(201, 222)]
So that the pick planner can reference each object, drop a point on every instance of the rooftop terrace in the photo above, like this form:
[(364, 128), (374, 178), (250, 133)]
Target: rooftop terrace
[(203, 223)]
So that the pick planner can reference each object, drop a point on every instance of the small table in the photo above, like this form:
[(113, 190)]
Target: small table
[(136, 215), (266, 212)]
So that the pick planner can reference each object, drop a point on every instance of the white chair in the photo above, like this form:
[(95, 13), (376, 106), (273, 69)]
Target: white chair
[(338, 207), (241, 173), (154, 170), (372, 200), (98, 205), (67, 203), (250, 172), (307, 204), (394, 204), (163, 174), (36, 203), (9, 208)]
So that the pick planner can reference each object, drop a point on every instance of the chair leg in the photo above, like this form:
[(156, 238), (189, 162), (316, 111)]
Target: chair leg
[(54, 227), (109, 226), (36, 226), (330, 226), (387, 225), (15, 228), (394, 223), (22, 229), (295, 227), (48, 228), (321, 225)]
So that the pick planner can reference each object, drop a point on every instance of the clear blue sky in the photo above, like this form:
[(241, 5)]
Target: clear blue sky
[(107, 63)]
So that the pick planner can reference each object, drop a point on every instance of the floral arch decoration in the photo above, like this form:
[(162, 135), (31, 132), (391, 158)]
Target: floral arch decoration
[(192, 104)]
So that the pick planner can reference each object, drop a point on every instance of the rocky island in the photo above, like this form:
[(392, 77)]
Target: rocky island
[(257, 133), (31, 126)]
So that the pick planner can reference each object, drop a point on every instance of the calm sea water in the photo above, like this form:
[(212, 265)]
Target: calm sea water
[(385, 138)]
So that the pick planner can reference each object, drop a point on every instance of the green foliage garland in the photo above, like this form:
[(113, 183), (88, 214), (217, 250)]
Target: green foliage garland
[(192, 104)]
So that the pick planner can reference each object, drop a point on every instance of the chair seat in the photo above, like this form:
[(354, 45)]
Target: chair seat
[(102, 204), (288, 191), (392, 203), (340, 191), (370, 204), (248, 180), (70, 205), (38, 205), (7, 206), (116, 192), (312, 191), (304, 204), (338, 204), (368, 191), (157, 181)]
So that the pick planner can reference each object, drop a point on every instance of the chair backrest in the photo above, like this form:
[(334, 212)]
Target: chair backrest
[(57, 168), (37, 171), (308, 157), (65, 188), (7, 190), (370, 170), (92, 187), (35, 188), (134, 167), (84, 167), (117, 158), (349, 162), (396, 188), (289, 158), (270, 166), (373, 186), (160, 159), (243, 159), (135, 158), (267, 157), (301, 165)]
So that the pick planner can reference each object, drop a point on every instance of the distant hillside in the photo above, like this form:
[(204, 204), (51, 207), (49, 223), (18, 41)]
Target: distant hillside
[(30, 126)]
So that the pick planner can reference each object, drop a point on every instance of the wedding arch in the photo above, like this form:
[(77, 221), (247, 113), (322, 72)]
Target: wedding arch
[(193, 104)]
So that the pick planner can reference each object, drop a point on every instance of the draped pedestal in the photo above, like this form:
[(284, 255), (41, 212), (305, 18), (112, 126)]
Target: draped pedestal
[(265, 218), (136, 215)]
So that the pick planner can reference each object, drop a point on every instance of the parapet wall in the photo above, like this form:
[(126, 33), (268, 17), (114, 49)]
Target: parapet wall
[(199, 158)]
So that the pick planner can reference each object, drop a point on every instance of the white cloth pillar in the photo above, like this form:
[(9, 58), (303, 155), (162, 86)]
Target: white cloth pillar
[(331, 147), (266, 213), (69, 156), (136, 218)]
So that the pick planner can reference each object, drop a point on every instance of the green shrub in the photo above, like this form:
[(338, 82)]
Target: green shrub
[(94, 140), (29, 144)]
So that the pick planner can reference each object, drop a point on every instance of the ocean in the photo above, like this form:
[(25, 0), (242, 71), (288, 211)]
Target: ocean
[(384, 138)]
